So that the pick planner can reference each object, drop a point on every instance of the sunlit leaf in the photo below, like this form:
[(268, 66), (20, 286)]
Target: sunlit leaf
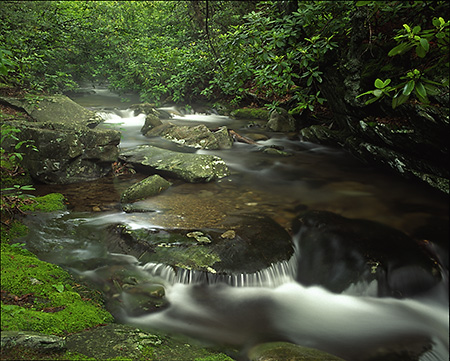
[(379, 83)]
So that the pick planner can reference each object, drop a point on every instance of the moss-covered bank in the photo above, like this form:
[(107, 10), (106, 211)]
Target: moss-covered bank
[(42, 297), (39, 296)]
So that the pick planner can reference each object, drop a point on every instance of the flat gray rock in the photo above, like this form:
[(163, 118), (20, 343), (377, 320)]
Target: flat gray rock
[(190, 167)]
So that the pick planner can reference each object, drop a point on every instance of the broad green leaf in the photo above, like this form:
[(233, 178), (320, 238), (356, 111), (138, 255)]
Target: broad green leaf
[(424, 43), (431, 89), (3, 70), (416, 29), (379, 83), (371, 100), (408, 88), (399, 99), (420, 51), (436, 22), (386, 83), (420, 89), (400, 49)]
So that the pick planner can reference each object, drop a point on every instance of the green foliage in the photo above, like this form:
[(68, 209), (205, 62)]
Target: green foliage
[(430, 45), (181, 51), (8, 135), (12, 193), (278, 57), (6, 64)]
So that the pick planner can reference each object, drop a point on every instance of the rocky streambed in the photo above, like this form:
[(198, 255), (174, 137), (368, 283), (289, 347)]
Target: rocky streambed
[(200, 234)]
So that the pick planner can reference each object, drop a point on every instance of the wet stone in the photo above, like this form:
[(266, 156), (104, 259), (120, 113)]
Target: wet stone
[(147, 187), (33, 340), (189, 167)]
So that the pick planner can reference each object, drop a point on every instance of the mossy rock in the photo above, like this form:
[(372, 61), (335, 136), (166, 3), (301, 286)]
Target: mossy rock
[(49, 203), (114, 341), (148, 187), (48, 299), (54, 108), (251, 113)]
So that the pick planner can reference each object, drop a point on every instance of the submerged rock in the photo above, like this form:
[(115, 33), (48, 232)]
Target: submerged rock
[(337, 252), (189, 167), (147, 187), (249, 244), (284, 351)]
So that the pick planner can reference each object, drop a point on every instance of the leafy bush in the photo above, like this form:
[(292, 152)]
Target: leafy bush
[(415, 81)]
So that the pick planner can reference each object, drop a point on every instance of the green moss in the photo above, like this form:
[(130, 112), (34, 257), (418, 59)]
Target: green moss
[(251, 113), (48, 203), (15, 230), (52, 305)]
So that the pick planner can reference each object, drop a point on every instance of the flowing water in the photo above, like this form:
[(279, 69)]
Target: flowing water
[(269, 305)]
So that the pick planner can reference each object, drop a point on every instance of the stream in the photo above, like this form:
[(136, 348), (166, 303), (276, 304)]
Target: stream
[(270, 305)]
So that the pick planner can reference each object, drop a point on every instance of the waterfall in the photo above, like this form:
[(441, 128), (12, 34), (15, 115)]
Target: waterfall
[(275, 275)]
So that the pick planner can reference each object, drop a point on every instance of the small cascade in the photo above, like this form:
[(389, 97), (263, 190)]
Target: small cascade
[(129, 124), (273, 276), (124, 117)]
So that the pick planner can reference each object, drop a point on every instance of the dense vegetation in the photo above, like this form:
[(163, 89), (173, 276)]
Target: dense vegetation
[(268, 52)]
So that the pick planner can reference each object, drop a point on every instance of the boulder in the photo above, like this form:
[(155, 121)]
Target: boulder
[(116, 341), (189, 167), (146, 108), (55, 108), (405, 150), (281, 121), (198, 136), (151, 121), (337, 252), (285, 351), (249, 243), (147, 187), (63, 153)]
